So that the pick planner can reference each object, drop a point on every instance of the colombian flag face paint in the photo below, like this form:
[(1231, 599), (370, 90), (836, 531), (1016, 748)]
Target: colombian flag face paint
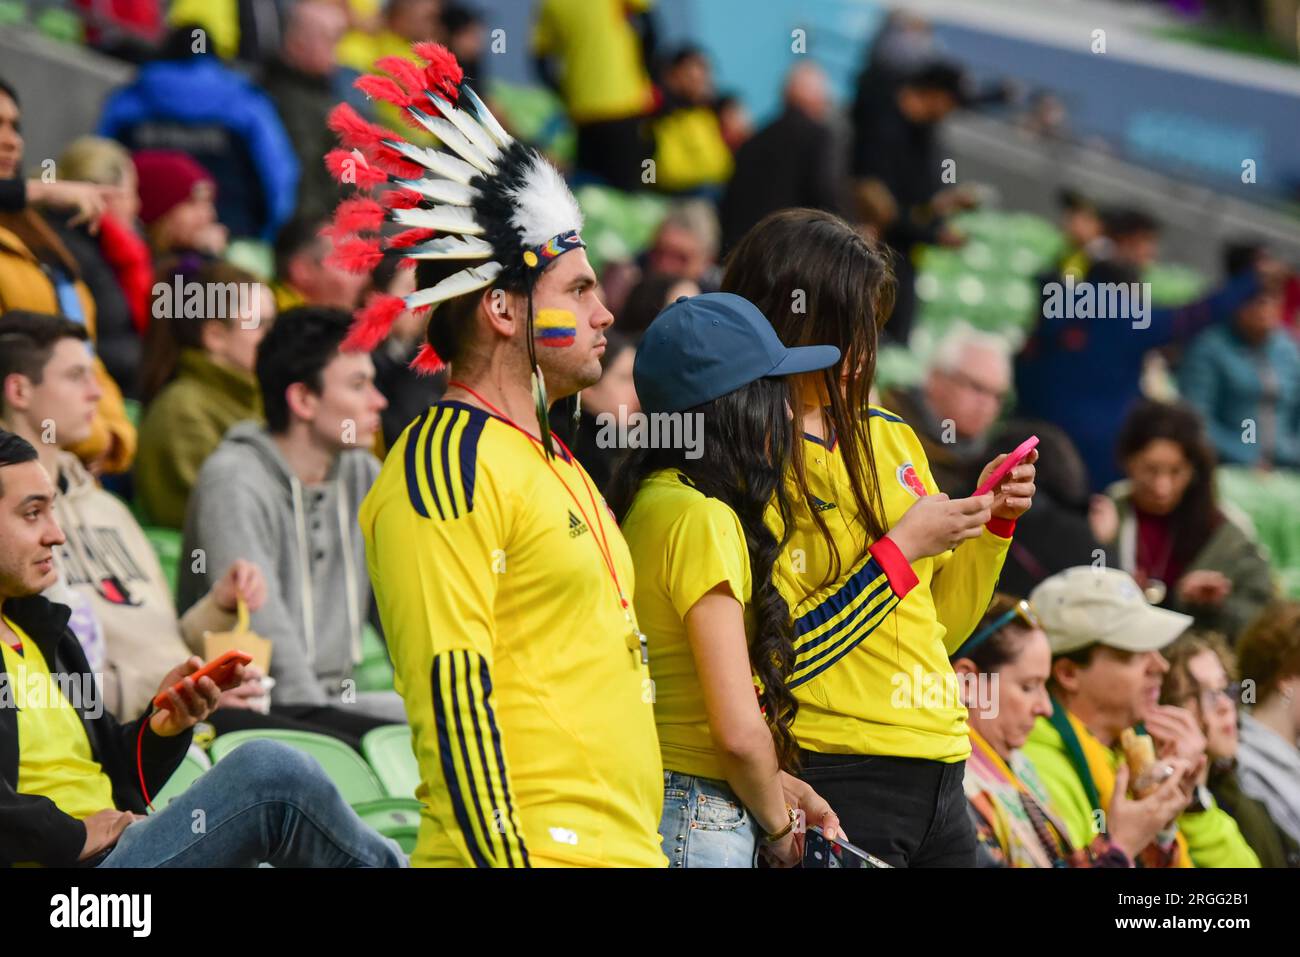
[(555, 327)]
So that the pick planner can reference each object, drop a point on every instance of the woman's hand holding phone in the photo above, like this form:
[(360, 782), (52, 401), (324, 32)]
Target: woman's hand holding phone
[(936, 523), (1015, 491)]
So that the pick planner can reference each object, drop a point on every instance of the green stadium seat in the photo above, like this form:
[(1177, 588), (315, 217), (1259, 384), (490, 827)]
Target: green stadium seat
[(166, 544), (252, 255), (350, 774), (12, 13), (535, 115), (375, 672), (390, 754), (191, 769), (619, 226), (398, 818), (1271, 500), (62, 25)]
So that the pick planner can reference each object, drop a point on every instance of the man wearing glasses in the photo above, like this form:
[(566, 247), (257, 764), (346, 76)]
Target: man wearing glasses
[(1107, 674), (954, 409)]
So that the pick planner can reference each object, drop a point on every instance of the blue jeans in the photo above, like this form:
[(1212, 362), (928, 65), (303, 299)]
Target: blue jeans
[(265, 803), (704, 824)]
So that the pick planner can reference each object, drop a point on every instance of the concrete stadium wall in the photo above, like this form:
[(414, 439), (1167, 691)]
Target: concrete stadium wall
[(1196, 219), (62, 89)]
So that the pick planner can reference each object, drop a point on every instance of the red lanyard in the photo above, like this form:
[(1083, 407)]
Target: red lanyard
[(603, 543)]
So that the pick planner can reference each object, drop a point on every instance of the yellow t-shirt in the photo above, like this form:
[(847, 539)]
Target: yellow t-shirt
[(872, 673), (55, 760), (602, 72), (529, 704), (683, 544), (690, 151)]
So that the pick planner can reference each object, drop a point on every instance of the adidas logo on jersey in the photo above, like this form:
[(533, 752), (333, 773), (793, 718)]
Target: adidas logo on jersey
[(821, 506), (576, 525)]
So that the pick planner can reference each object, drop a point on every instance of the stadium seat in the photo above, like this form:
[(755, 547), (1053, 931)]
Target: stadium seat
[(1271, 500), (619, 226), (62, 25), (350, 774), (375, 672), (536, 115), (166, 544), (398, 818), (391, 757), (191, 769)]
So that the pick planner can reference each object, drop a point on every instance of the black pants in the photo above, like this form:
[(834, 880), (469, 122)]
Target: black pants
[(348, 726), (907, 811), (613, 150)]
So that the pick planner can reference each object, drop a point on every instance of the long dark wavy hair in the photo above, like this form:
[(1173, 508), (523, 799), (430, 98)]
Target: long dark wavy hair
[(1197, 515), (748, 437), (820, 282)]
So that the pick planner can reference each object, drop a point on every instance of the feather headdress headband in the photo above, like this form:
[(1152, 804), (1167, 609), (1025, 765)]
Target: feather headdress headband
[(483, 198)]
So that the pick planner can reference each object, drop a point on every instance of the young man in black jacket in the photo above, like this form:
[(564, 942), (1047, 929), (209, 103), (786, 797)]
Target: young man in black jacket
[(71, 776)]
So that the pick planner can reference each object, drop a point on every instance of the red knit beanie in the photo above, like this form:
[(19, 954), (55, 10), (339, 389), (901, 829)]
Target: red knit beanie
[(167, 178)]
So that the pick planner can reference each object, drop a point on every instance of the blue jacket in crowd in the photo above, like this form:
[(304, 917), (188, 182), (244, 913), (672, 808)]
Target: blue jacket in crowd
[(1249, 395), (202, 107), (1083, 374)]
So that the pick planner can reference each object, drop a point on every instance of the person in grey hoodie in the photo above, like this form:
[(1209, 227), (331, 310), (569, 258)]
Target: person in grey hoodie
[(286, 496), (1268, 656)]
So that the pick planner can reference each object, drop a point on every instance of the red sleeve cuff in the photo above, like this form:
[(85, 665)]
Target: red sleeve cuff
[(1001, 527), (902, 578)]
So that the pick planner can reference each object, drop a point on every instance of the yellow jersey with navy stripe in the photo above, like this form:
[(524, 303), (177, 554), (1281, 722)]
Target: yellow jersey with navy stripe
[(530, 707), (872, 674)]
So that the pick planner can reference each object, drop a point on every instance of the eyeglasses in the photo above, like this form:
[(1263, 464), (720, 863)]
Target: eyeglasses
[(1019, 610), (979, 388), (1207, 698)]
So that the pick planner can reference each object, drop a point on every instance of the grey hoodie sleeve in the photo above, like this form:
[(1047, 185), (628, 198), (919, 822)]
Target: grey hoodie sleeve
[(233, 515)]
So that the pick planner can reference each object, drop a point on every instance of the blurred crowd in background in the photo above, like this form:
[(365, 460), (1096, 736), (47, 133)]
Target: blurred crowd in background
[(1170, 430)]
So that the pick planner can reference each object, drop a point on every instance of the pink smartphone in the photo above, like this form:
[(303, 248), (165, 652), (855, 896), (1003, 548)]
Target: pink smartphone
[(1010, 462)]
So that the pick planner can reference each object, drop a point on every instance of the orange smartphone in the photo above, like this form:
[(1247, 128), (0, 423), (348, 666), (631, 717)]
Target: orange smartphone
[(220, 670)]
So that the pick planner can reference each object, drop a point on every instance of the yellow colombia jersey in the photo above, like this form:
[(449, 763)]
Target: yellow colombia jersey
[(55, 759), (683, 544), (528, 701), (872, 674)]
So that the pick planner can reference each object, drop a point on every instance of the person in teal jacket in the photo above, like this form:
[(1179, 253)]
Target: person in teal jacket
[(1245, 379), (1107, 671)]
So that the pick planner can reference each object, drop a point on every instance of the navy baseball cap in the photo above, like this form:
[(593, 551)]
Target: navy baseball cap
[(702, 347)]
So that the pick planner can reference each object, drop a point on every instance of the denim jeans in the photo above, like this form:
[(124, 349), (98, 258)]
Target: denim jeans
[(265, 803), (704, 824)]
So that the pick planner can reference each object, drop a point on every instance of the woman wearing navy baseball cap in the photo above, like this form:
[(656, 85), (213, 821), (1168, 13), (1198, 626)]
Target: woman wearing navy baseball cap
[(717, 629)]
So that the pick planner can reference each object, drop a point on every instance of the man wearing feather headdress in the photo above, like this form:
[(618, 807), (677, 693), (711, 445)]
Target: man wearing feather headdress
[(502, 580)]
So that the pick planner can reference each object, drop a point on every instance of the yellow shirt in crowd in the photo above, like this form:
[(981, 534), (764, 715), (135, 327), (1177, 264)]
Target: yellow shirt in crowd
[(683, 544), (690, 151), (529, 704), (872, 674), (55, 760), (602, 72)]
